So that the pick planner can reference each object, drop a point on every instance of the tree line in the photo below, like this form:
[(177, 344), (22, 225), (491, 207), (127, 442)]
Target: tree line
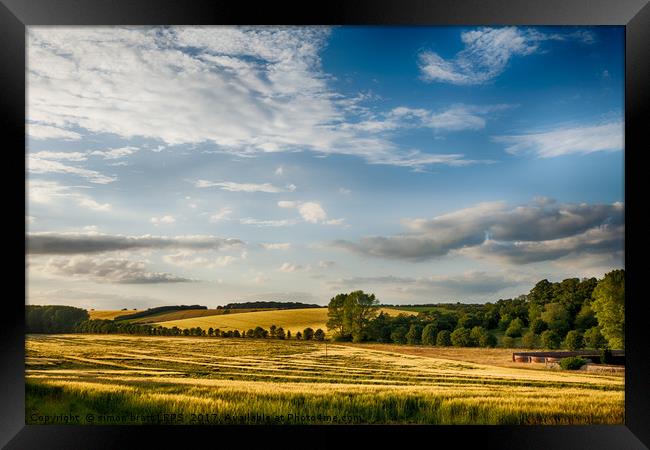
[(105, 326), (572, 313)]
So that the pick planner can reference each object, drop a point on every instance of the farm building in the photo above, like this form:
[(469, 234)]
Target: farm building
[(617, 356)]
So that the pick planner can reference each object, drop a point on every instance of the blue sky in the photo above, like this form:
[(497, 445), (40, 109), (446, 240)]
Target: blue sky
[(424, 164)]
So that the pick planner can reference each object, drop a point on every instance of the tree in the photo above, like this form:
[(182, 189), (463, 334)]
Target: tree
[(469, 321), (279, 333), (594, 339), (288, 334), (272, 329), (298, 335), (349, 315), (250, 333), (574, 340), (542, 293), (443, 339), (556, 317), (550, 339), (210, 331), (429, 334), (398, 335), (508, 342), (319, 335), (609, 307), (476, 335), (308, 334), (460, 337), (537, 326), (236, 334), (586, 318), (515, 328), (487, 339), (529, 340), (414, 334)]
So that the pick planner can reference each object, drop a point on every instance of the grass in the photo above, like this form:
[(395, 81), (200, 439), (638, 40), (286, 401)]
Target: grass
[(290, 319), (192, 313), (134, 379)]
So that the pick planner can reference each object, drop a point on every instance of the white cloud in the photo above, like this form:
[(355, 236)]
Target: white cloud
[(162, 220), (290, 268), (51, 193), (267, 223), (41, 132), (487, 53), (344, 191), (567, 140), (30, 219), (245, 90), (192, 258), (220, 215), (67, 156), (279, 171), (41, 166), (114, 153), (276, 246), (287, 204), (244, 187)]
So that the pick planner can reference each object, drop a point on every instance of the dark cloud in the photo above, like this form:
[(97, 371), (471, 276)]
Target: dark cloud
[(89, 243), (535, 232)]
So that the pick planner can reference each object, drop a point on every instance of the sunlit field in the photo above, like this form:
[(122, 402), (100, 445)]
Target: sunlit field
[(108, 379), (293, 320)]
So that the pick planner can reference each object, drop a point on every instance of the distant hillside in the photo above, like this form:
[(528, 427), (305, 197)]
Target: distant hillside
[(157, 310), (269, 305)]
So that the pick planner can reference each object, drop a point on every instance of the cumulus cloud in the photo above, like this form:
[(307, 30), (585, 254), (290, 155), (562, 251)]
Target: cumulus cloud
[(487, 53), (245, 187), (311, 212), (108, 270), (88, 243), (519, 234), (566, 140)]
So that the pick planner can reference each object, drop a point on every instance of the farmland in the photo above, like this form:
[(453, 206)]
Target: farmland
[(123, 379), (293, 320)]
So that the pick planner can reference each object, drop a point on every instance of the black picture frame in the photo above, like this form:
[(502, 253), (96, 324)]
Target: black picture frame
[(15, 15)]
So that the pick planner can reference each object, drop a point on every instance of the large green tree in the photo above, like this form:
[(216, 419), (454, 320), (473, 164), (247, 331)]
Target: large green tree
[(349, 315), (609, 307)]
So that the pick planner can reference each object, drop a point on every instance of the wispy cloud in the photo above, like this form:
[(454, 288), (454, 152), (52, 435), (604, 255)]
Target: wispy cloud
[(244, 187), (566, 140), (487, 53), (52, 193), (40, 166)]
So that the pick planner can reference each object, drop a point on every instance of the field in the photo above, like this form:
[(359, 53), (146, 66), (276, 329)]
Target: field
[(108, 379), (109, 314), (290, 319)]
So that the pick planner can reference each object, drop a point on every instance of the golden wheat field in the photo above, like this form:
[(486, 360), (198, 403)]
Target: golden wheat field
[(107, 379), (290, 319), (109, 314)]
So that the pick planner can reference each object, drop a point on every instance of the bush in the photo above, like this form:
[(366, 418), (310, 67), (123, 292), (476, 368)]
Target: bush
[(550, 339), (319, 335), (414, 334), (477, 335), (461, 337), (574, 340), (443, 339), (572, 363), (308, 334)]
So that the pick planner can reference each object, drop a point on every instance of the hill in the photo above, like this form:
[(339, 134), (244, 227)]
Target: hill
[(290, 319)]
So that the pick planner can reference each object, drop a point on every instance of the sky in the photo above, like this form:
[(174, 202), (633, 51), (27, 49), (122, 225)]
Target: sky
[(208, 165)]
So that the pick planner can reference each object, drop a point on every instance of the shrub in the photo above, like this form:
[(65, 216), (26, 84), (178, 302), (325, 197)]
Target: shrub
[(319, 335), (487, 339), (443, 339), (308, 334), (574, 340), (572, 363)]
